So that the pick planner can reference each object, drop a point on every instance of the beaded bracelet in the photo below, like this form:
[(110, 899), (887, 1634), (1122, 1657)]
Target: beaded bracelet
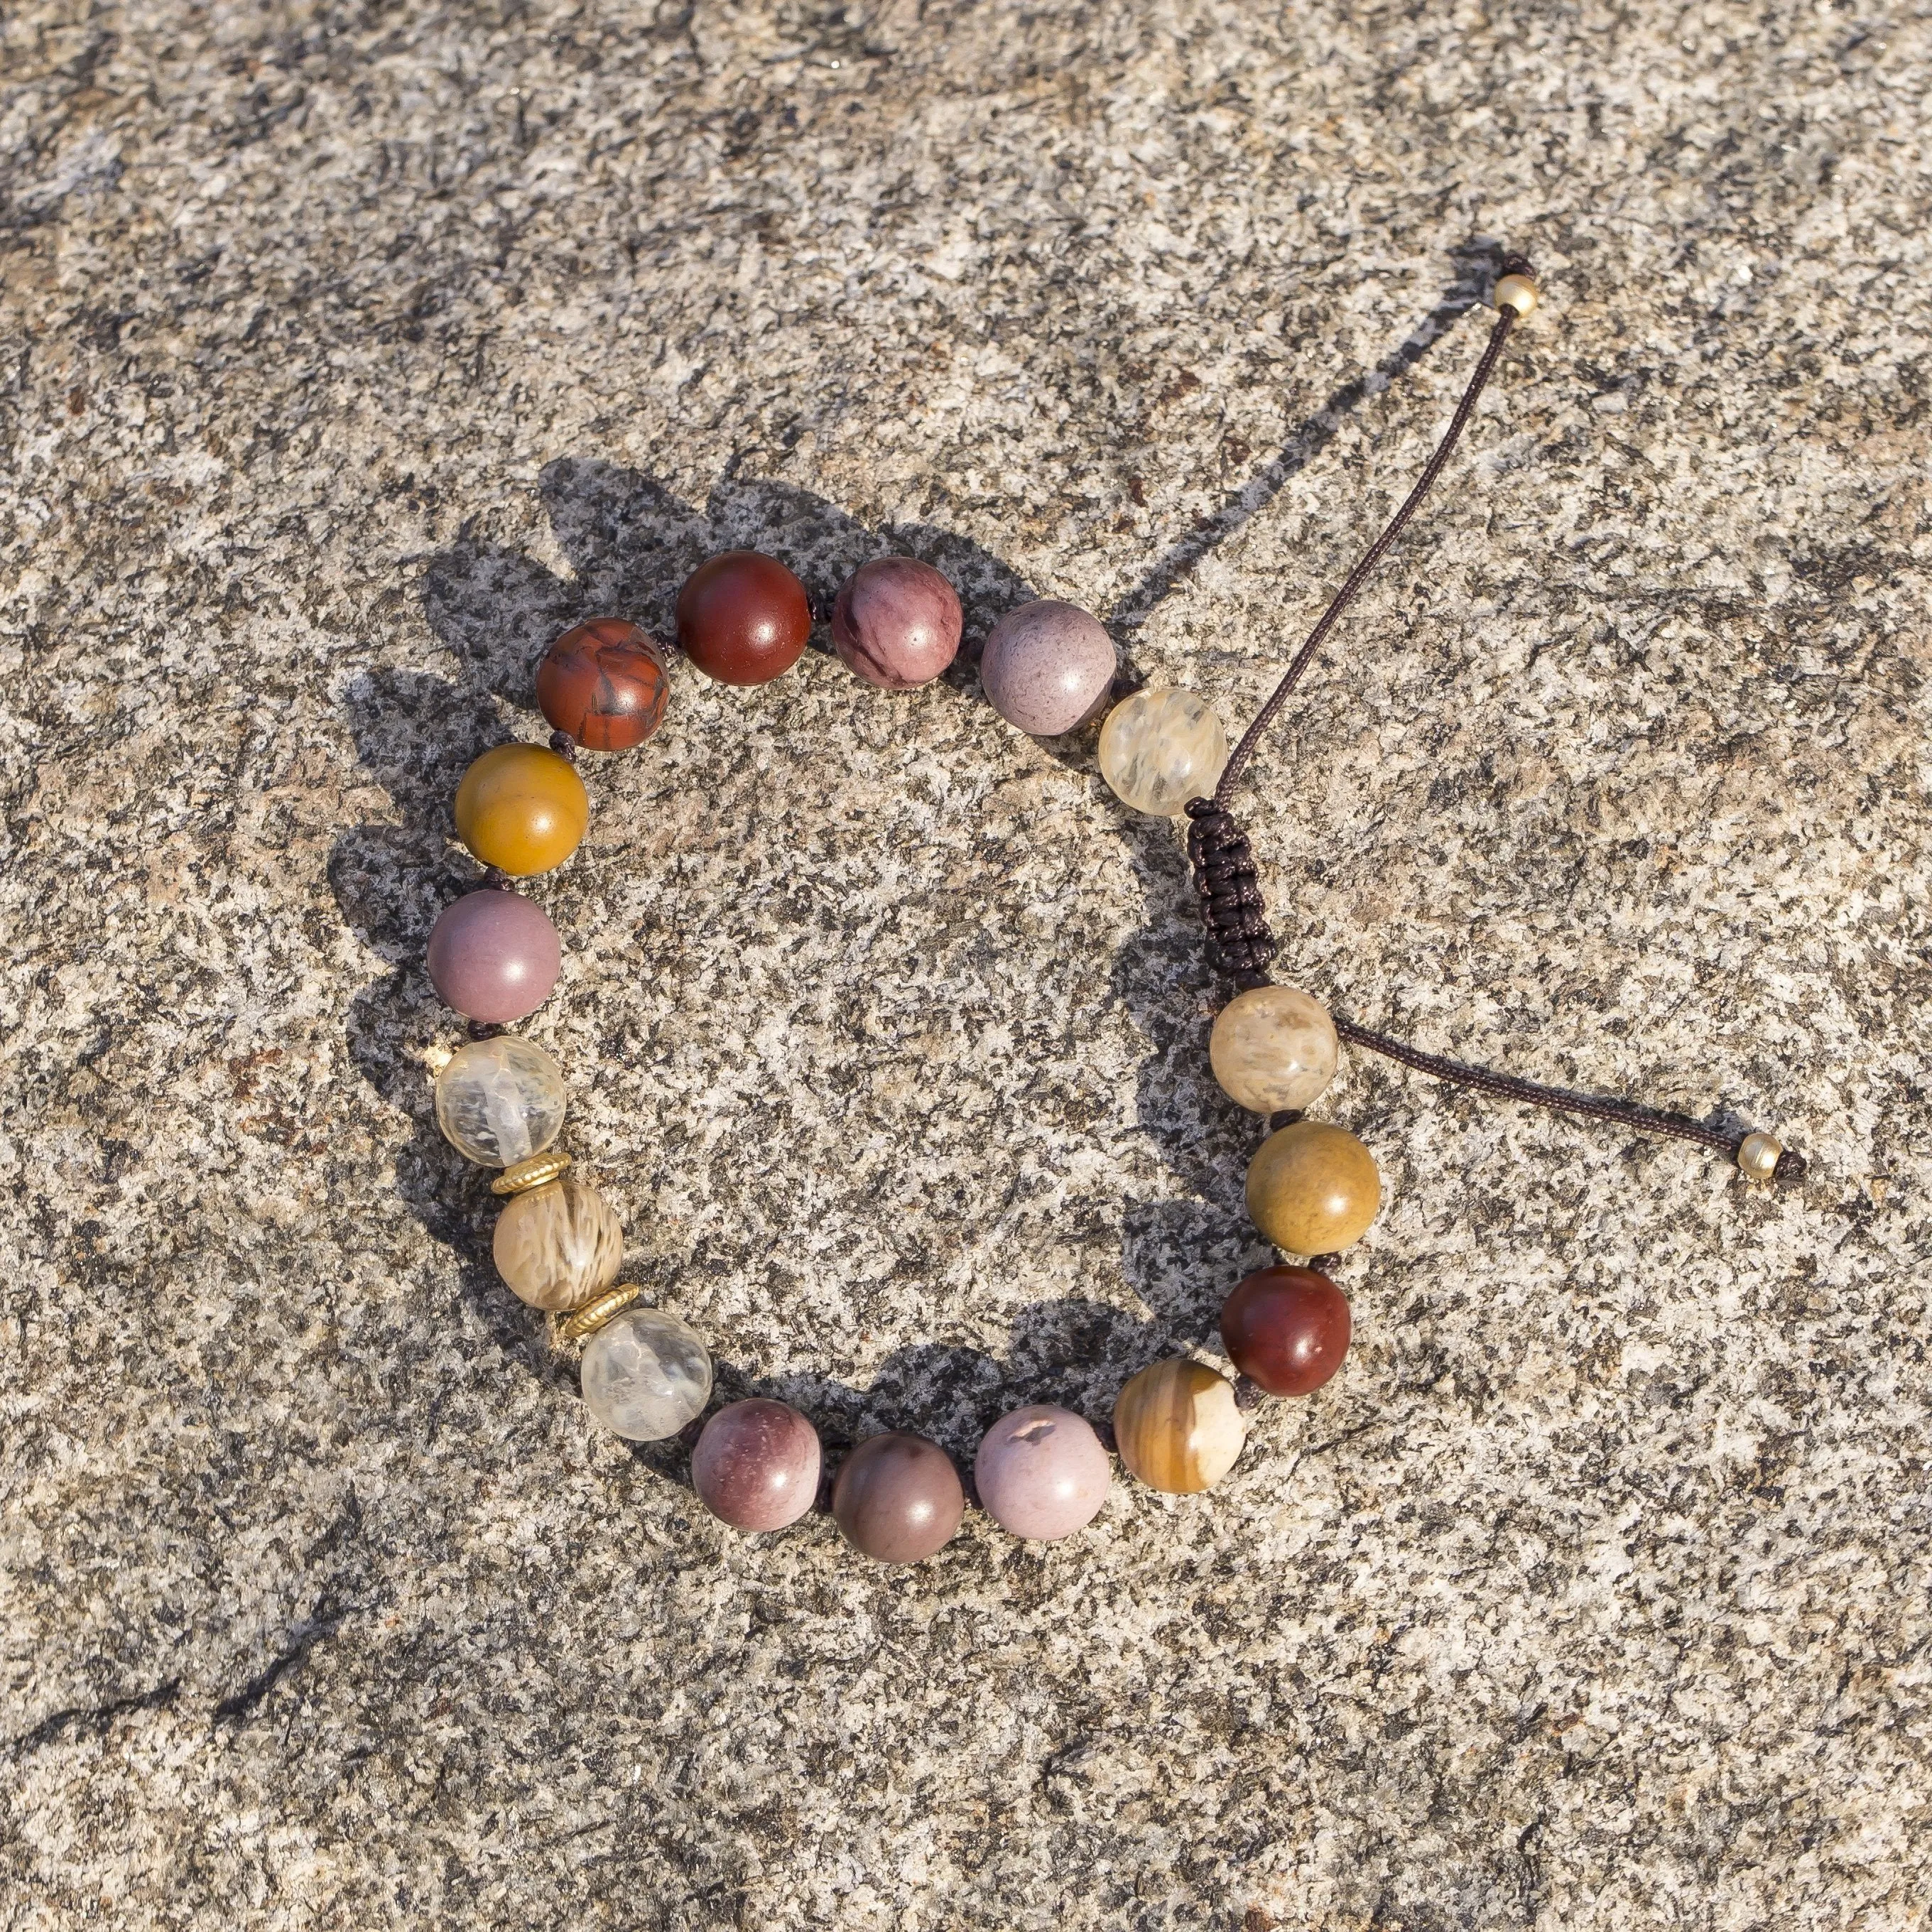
[(1047, 667)]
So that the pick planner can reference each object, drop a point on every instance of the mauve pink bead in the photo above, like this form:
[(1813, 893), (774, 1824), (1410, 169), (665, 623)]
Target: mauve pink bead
[(896, 622), (494, 956), (1048, 666), (756, 1465), (1041, 1472)]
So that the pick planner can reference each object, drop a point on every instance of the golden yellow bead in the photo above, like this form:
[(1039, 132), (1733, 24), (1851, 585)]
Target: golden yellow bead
[(1177, 1427), (1313, 1189), (597, 1312), (1517, 292), (1758, 1155), (521, 809), (520, 1177)]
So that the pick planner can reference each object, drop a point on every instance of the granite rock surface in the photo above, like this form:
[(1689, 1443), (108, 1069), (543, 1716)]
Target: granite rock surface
[(348, 353)]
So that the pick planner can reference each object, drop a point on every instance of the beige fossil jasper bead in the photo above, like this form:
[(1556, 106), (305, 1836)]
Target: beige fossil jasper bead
[(1313, 1189), (1178, 1427), (1273, 1048), (1160, 748), (557, 1245)]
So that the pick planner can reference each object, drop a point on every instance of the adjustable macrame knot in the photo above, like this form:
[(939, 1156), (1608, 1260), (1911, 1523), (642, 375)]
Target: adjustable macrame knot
[(1232, 907)]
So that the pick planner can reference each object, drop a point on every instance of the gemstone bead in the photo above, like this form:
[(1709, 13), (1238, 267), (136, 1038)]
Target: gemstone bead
[(1177, 1427), (1041, 1472), (756, 1465), (1047, 667), (1517, 292), (1313, 1189), (493, 956), (558, 1244), (1757, 1155), (742, 618), (1160, 748), (898, 1498), (500, 1101), (896, 622), (604, 683), (646, 1374), (1272, 1048), (521, 809), (1286, 1329)]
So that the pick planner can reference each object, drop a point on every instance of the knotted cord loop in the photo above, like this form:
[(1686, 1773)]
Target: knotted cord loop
[(1231, 906), (1230, 888)]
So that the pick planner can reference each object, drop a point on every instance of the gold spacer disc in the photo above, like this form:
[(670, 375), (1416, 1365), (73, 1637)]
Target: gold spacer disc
[(522, 1175), (597, 1310)]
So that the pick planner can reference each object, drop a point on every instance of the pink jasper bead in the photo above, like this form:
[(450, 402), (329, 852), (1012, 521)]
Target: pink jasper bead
[(896, 622), (756, 1465), (1042, 1472), (1048, 666), (494, 956)]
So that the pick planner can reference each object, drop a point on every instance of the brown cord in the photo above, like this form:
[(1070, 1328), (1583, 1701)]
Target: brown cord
[(1225, 873)]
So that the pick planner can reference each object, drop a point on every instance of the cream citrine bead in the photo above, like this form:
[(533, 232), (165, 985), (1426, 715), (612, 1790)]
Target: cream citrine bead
[(1160, 748), (1272, 1049), (558, 1244)]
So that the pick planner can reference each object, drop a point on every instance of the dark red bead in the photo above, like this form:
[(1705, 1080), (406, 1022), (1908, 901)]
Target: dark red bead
[(742, 618), (604, 683), (1286, 1329)]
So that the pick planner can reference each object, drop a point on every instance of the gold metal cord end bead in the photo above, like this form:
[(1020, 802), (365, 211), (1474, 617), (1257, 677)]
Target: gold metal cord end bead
[(1757, 1155), (522, 1175), (1517, 292), (597, 1310)]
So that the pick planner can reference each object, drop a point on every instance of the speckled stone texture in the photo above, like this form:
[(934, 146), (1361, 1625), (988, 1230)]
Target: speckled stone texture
[(348, 356)]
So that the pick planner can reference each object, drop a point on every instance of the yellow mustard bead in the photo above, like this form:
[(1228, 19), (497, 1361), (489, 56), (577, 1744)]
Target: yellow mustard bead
[(1517, 292), (1313, 1189), (521, 809), (1178, 1427)]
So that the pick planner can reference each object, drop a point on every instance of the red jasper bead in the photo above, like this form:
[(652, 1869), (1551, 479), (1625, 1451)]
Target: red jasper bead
[(1286, 1329), (604, 683), (742, 618)]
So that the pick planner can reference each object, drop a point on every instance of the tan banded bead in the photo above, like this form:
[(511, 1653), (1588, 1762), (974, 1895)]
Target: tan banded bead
[(1757, 1155), (1177, 1427)]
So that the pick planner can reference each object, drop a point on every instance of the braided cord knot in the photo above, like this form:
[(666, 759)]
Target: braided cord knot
[(1231, 906)]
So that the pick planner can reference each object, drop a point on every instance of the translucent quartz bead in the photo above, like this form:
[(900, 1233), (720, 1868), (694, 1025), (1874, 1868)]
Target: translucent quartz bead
[(1272, 1048), (646, 1374), (557, 1245), (1160, 748), (1177, 1427), (500, 1100)]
